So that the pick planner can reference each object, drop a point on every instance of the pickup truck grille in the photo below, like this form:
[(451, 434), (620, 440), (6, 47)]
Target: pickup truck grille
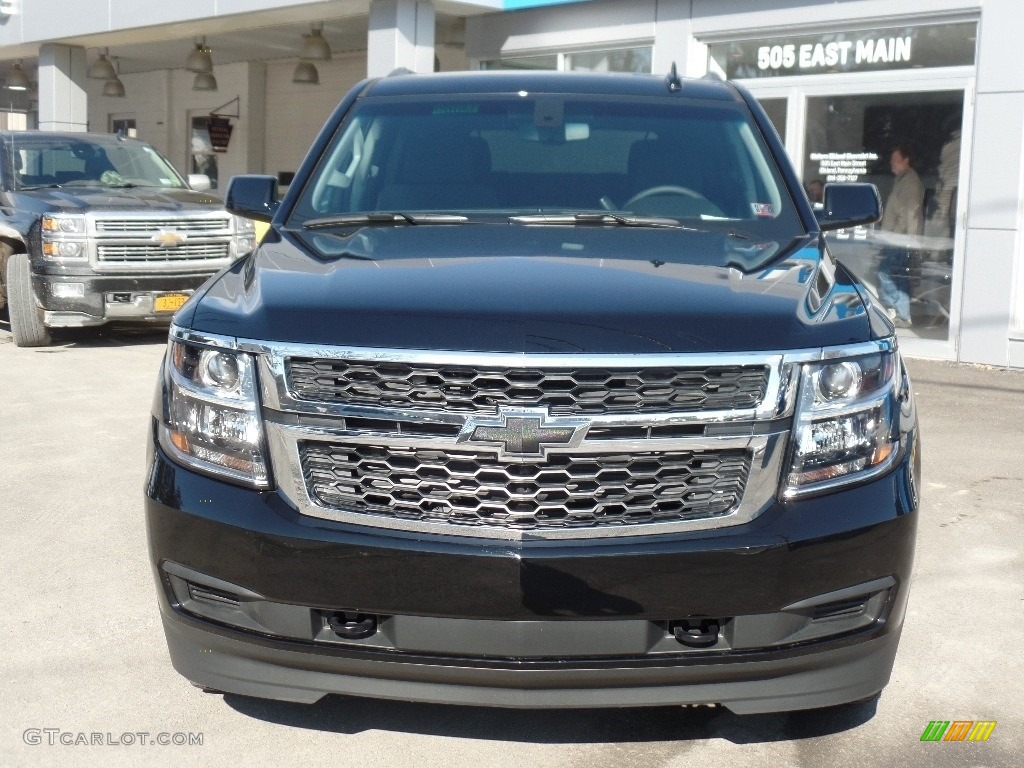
[(149, 253), (153, 225), (464, 389), (564, 491)]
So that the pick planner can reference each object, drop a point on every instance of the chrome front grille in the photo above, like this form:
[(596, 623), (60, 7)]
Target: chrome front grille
[(564, 491), (125, 253), (152, 225), (577, 390), (144, 242), (523, 446)]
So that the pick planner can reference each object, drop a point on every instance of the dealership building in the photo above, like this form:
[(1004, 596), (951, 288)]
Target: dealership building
[(224, 87)]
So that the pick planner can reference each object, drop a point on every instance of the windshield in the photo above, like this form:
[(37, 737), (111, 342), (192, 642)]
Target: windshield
[(40, 161), (545, 159)]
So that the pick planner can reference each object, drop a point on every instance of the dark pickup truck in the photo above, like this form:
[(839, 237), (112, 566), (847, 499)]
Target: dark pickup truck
[(542, 390), (97, 228)]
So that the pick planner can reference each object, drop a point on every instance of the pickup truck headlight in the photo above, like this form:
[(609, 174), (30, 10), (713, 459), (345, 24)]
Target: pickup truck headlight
[(211, 417), (63, 236), (244, 234), (846, 427)]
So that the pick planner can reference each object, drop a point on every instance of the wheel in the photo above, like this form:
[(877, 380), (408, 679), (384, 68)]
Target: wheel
[(675, 201), (26, 318)]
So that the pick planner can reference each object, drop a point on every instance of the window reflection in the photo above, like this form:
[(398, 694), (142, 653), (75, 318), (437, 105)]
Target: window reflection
[(908, 145)]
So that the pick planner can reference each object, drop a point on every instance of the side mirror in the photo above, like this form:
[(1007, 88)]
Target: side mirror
[(200, 182), (252, 196), (849, 205)]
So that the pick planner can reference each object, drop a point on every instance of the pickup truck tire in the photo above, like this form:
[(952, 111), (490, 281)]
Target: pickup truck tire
[(26, 319)]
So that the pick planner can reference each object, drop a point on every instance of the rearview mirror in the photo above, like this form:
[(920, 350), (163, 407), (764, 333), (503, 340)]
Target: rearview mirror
[(200, 182), (849, 205), (252, 196)]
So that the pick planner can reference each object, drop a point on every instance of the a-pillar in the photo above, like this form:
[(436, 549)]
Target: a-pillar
[(401, 35), (63, 105)]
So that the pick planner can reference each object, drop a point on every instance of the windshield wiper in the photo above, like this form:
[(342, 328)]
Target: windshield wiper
[(384, 217), (601, 220)]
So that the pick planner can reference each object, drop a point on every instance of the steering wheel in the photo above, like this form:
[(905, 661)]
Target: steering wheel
[(667, 189)]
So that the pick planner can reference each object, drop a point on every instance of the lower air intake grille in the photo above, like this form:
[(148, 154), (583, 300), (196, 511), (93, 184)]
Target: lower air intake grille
[(562, 491)]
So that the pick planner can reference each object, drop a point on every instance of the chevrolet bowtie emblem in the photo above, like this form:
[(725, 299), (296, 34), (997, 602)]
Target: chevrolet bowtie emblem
[(166, 239), (523, 433)]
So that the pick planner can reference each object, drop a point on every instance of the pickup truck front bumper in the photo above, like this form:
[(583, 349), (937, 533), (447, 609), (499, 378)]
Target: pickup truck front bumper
[(77, 300), (802, 607)]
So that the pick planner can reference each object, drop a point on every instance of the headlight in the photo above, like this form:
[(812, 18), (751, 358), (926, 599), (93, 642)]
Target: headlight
[(63, 236), (211, 417), (846, 426), (63, 224)]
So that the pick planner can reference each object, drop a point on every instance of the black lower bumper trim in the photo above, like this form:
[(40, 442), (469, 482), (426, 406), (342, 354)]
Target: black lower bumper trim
[(267, 669)]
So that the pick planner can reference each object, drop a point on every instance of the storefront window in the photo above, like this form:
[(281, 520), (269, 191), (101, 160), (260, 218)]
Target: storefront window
[(523, 62), (125, 126), (13, 121), (908, 145), (625, 60), (615, 60)]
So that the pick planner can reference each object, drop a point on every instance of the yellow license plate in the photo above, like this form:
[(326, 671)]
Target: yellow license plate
[(169, 302)]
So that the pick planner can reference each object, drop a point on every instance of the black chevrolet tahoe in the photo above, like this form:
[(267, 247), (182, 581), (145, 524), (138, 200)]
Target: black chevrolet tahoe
[(542, 390), (97, 228)]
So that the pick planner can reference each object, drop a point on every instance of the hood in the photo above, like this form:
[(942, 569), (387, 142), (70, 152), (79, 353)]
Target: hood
[(502, 288), (81, 198)]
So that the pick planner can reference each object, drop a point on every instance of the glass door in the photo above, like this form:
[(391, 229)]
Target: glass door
[(908, 139), (202, 158)]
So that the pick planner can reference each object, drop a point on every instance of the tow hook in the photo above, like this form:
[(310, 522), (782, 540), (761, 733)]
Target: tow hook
[(696, 633), (352, 626)]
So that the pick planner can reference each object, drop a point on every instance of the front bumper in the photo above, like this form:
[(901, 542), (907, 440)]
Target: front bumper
[(107, 298), (780, 586)]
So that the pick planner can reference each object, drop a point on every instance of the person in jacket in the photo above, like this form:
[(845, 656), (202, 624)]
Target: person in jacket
[(903, 216)]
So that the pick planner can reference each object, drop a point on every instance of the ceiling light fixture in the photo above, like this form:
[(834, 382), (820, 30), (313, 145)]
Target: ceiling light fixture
[(306, 74), (316, 47), (102, 69), (199, 59), (16, 79), (205, 81), (113, 87)]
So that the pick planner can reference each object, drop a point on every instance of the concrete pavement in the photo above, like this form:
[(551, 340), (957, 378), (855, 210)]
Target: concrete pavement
[(83, 652)]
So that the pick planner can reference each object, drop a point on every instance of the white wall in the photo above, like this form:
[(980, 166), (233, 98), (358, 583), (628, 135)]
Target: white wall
[(996, 217), (162, 101), (146, 99), (296, 113)]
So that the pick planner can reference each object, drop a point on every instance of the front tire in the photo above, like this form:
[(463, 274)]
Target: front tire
[(26, 318)]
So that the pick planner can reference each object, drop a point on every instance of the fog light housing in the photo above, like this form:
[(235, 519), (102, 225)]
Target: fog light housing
[(68, 290)]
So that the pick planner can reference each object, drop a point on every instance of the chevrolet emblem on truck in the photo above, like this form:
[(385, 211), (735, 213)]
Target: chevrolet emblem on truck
[(523, 432), (169, 239)]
